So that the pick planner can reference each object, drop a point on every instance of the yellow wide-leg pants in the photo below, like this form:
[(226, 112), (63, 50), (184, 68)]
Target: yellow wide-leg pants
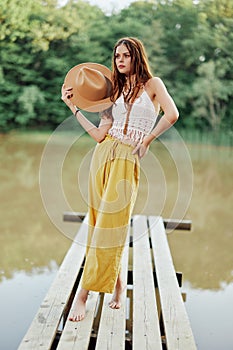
[(113, 186)]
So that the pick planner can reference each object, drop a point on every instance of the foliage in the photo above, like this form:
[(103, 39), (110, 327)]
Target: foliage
[(189, 45)]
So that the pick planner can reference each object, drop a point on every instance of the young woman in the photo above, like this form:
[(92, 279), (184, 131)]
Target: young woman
[(123, 137)]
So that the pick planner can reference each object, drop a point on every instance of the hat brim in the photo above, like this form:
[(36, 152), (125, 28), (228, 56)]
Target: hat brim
[(80, 101)]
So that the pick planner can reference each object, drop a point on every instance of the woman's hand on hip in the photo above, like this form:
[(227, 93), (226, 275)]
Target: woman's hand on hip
[(141, 149)]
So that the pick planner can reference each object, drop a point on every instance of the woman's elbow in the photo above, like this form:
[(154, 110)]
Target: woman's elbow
[(174, 117), (100, 137)]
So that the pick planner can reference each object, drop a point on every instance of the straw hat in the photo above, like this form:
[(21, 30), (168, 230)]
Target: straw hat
[(92, 87)]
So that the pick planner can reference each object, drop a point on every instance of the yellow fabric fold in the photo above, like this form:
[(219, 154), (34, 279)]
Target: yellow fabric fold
[(113, 187)]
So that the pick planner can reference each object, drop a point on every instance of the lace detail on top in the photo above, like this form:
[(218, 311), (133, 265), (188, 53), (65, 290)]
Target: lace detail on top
[(141, 119)]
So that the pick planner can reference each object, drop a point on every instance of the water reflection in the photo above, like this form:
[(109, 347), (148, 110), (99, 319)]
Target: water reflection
[(27, 237), (210, 314), (29, 241), (205, 256), (20, 298)]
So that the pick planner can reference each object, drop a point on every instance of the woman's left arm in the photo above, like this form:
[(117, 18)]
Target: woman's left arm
[(170, 114), (97, 133)]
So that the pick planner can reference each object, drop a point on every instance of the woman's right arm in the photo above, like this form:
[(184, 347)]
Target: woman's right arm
[(97, 133)]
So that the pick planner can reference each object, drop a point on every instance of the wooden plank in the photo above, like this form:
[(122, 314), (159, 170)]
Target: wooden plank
[(146, 332), (111, 333), (45, 324), (176, 323), (76, 335), (73, 216), (169, 223), (175, 224)]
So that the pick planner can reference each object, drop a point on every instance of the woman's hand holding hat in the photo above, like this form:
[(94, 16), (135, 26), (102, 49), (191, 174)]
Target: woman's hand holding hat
[(97, 133), (66, 95), (88, 87), (91, 85)]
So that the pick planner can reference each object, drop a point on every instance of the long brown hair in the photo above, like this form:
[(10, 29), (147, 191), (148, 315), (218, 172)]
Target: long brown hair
[(140, 70)]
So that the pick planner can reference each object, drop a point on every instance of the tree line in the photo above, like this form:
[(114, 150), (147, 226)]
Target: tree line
[(189, 45)]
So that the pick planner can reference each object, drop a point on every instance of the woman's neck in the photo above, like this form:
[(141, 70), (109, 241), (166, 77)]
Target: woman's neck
[(131, 90), (129, 86), (130, 81)]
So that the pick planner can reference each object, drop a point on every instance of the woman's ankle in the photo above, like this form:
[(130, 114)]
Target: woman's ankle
[(83, 294)]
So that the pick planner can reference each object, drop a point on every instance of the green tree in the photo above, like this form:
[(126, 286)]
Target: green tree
[(211, 94), (34, 56), (189, 45), (29, 100)]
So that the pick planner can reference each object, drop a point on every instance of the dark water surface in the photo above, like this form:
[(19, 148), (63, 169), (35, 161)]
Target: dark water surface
[(34, 239)]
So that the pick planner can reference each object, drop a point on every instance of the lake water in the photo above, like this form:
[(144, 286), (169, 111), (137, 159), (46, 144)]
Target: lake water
[(42, 177)]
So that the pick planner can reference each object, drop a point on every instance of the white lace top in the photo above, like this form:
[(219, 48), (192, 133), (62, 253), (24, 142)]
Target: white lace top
[(141, 120)]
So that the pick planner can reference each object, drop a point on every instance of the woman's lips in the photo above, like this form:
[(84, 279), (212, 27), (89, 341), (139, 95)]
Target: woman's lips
[(121, 66)]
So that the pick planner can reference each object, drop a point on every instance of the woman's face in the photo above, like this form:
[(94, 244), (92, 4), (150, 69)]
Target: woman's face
[(123, 59)]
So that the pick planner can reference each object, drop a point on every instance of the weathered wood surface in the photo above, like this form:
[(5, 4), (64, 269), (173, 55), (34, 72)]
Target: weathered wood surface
[(76, 335), (112, 327), (146, 332), (176, 323), (153, 292), (43, 329), (168, 223)]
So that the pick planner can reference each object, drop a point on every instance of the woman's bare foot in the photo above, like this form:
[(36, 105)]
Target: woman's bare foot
[(79, 308), (115, 303)]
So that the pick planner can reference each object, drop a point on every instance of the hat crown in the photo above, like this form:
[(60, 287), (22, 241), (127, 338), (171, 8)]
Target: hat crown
[(91, 84)]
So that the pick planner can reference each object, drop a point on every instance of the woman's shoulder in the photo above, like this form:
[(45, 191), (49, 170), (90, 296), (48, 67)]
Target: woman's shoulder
[(154, 86), (154, 83)]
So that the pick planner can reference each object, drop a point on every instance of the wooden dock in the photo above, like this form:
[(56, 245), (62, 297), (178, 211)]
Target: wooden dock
[(154, 315)]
